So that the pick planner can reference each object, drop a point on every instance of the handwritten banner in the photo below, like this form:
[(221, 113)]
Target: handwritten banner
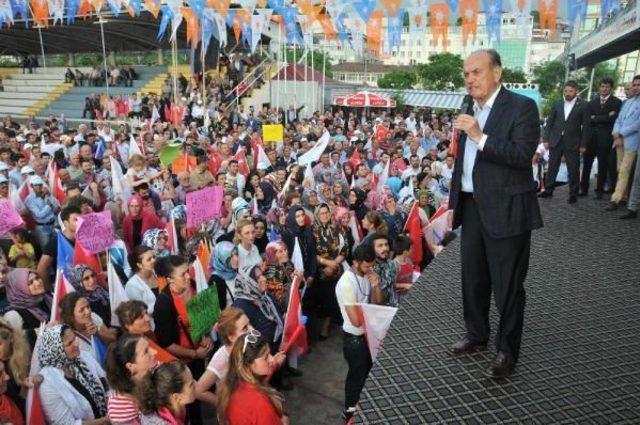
[(9, 218), (204, 205), (95, 232), (272, 132)]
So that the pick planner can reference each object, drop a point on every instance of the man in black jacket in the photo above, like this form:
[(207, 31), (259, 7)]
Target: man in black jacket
[(493, 197), (566, 134), (603, 111)]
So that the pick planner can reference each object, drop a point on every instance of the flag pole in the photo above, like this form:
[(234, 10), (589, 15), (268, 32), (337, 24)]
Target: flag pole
[(324, 70), (286, 65), (295, 72), (204, 53), (104, 54), (279, 62), (313, 77)]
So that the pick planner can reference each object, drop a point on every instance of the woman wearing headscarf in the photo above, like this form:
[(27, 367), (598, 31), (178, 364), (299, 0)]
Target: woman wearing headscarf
[(356, 203), (392, 215), (279, 274), (330, 255), (158, 241), (297, 228), (251, 297), (224, 268), (262, 238), (341, 218), (240, 210), (137, 222), (73, 388), (84, 281), (29, 304)]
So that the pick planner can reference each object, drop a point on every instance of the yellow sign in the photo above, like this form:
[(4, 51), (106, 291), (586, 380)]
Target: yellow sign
[(272, 132)]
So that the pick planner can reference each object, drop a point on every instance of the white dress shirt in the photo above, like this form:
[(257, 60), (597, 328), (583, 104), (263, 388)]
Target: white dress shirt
[(473, 146), (568, 106)]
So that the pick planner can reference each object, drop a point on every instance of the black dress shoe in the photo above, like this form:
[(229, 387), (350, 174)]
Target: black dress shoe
[(573, 199), (629, 215), (611, 206), (501, 367), (545, 194), (466, 346)]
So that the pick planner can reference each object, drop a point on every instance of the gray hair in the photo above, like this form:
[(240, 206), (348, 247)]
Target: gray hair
[(494, 56)]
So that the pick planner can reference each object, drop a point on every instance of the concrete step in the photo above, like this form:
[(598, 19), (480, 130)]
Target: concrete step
[(4, 110), (15, 95), (23, 83), (30, 89), (17, 102)]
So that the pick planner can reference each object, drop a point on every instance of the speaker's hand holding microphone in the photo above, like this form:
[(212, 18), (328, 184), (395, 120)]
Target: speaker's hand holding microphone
[(465, 122)]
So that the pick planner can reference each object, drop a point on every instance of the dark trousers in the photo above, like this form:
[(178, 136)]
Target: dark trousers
[(356, 353), (600, 151), (613, 170), (572, 159), (490, 264)]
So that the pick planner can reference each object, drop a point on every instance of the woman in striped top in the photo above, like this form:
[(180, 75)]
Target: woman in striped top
[(128, 360)]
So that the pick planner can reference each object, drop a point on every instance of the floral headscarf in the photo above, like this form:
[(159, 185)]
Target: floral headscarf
[(19, 297), (150, 240), (247, 288), (220, 263), (99, 295), (338, 213), (51, 353), (270, 252), (238, 206)]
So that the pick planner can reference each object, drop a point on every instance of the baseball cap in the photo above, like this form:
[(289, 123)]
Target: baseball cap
[(3, 166), (27, 170), (3, 179), (36, 181)]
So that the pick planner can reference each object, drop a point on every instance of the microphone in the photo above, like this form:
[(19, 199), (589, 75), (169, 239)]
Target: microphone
[(465, 108)]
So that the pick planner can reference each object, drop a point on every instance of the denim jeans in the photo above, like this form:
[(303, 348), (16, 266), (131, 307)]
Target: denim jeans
[(634, 196), (356, 353)]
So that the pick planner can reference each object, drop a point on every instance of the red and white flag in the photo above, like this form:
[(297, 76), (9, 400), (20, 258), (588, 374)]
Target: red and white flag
[(34, 411), (61, 288), (117, 295), (375, 320), (243, 166), (294, 339), (173, 236), (437, 228), (356, 230), (413, 226)]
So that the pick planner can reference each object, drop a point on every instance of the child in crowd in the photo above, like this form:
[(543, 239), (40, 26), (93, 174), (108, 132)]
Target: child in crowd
[(21, 252)]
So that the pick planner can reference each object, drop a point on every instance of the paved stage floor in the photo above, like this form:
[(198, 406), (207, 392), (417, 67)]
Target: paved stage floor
[(580, 359)]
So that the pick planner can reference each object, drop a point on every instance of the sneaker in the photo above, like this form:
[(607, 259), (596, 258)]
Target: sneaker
[(347, 415)]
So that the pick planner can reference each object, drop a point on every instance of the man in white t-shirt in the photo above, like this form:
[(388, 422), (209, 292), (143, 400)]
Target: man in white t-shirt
[(357, 285)]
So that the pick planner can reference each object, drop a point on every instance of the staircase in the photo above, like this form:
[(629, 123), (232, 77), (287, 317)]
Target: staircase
[(156, 84), (71, 103), (26, 94)]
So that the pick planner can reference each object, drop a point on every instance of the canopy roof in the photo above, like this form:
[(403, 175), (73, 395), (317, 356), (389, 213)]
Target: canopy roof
[(364, 99)]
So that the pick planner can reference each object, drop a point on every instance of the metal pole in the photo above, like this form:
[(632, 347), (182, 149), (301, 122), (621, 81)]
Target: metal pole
[(278, 62), (593, 71), (306, 79), (174, 69), (104, 56), (324, 78), (313, 79), (204, 53), (44, 60), (295, 77), (286, 65)]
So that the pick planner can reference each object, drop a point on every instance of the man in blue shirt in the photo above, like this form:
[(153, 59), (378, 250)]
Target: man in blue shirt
[(43, 209)]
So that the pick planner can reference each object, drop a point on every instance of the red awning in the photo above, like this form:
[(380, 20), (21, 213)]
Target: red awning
[(364, 99)]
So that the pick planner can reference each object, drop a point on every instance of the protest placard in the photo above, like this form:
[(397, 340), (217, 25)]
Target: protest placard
[(9, 218), (95, 232), (272, 132), (203, 205)]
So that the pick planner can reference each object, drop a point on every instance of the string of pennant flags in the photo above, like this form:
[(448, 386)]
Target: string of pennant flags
[(351, 23)]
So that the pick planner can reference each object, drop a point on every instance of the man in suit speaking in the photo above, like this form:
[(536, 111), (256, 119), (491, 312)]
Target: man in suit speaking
[(493, 197)]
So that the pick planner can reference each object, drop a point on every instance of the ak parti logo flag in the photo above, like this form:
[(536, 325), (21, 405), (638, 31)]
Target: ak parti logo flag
[(439, 20)]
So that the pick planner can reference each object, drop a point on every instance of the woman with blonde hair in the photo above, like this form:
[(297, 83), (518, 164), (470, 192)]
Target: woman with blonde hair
[(232, 324), (245, 236), (15, 355), (245, 397)]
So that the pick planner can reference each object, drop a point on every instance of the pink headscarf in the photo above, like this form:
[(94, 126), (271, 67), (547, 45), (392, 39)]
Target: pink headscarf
[(140, 202), (271, 251), (338, 213)]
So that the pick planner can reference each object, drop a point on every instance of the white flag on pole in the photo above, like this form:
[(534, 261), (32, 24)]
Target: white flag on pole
[(375, 320), (117, 295)]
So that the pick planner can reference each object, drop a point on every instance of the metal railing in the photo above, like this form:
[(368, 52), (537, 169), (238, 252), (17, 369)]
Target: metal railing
[(247, 83)]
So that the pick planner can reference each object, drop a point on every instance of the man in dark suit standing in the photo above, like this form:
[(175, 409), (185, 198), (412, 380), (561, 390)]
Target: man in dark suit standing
[(603, 111), (566, 134), (493, 197)]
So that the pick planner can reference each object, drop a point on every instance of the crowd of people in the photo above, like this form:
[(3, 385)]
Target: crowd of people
[(333, 222), (98, 77), (135, 362), (604, 129)]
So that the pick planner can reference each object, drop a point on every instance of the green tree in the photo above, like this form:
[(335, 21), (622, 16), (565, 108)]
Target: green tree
[(513, 76), (549, 77), (317, 60), (444, 71), (398, 79)]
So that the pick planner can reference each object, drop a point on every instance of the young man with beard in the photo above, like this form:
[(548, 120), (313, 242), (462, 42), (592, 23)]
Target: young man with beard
[(357, 285), (386, 269)]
